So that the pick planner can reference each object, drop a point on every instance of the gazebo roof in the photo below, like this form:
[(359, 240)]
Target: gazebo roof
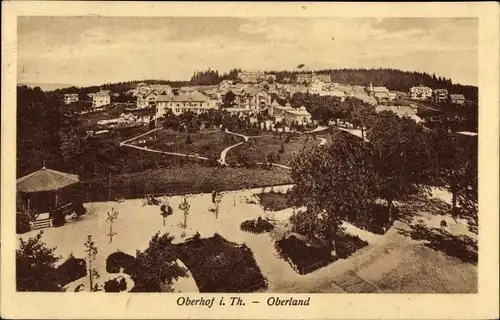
[(45, 180)]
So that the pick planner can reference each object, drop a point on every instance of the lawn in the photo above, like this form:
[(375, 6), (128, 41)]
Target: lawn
[(189, 178), (208, 144), (258, 149), (218, 265)]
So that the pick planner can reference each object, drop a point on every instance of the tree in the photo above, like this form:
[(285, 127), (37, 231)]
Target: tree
[(282, 148), (185, 206), (35, 266), (270, 158), (216, 199), (400, 157), (362, 115), (331, 183), (228, 100), (165, 211), (91, 250), (157, 266), (110, 219), (455, 167)]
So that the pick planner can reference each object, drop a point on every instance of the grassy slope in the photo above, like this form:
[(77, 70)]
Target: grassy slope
[(203, 144), (195, 179), (260, 147)]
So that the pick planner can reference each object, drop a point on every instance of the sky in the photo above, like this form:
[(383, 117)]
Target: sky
[(96, 50)]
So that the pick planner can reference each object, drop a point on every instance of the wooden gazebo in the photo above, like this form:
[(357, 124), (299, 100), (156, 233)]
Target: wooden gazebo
[(47, 190)]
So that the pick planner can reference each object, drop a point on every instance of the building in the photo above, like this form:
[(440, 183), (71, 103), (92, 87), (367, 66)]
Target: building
[(440, 95), (457, 98), (142, 88), (304, 78), (255, 99), (420, 92), (161, 89), (288, 113), (70, 98), (401, 111), (225, 86), (101, 98), (379, 93), (192, 101), (146, 100), (317, 86), (322, 77), (392, 95)]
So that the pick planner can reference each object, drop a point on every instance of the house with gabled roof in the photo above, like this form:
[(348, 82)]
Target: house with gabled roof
[(192, 101)]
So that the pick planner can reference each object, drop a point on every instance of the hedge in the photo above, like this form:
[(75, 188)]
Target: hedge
[(70, 270), (118, 260), (113, 285), (22, 223)]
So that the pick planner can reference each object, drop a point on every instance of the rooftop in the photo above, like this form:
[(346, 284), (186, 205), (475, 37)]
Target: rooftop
[(45, 180)]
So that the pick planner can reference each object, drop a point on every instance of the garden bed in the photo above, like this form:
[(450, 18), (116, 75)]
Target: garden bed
[(273, 201), (306, 255), (256, 226), (218, 265)]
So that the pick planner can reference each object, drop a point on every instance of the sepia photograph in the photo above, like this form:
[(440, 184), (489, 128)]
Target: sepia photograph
[(246, 154)]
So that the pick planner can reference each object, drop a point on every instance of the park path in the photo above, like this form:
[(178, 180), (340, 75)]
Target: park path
[(223, 154), (126, 144), (165, 152), (222, 158), (137, 137)]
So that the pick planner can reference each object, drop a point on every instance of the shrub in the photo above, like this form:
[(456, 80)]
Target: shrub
[(113, 285), (80, 209), (22, 223), (118, 260), (256, 226), (58, 218), (70, 270), (189, 140)]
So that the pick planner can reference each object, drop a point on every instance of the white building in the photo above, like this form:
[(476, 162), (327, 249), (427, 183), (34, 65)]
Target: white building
[(317, 86), (420, 92), (70, 98), (100, 99), (401, 111), (193, 101), (146, 100), (288, 113)]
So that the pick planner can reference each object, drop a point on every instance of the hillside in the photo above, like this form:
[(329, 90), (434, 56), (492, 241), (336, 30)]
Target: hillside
[(393, 79)]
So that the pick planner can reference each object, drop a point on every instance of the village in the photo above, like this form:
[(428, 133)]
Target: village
[(210, 167), (255, 93)]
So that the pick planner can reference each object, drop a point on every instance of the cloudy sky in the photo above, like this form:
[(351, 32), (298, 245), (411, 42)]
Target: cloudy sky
[(95, 50)]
